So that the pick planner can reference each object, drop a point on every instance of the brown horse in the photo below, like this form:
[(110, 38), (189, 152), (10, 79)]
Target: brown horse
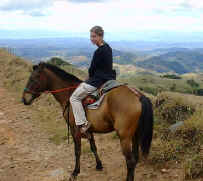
[(128, 113)]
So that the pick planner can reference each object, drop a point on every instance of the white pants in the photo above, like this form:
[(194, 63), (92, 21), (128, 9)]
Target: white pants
[(76, 98)]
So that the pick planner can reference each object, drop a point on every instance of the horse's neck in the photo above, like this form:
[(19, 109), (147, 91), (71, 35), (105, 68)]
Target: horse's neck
[(57, 85), (63, 96)]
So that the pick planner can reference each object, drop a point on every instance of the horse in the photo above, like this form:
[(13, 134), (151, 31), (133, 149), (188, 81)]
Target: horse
[(128, 113)]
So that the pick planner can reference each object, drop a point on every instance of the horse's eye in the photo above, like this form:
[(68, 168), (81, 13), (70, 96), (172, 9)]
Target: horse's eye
[(37, 76)]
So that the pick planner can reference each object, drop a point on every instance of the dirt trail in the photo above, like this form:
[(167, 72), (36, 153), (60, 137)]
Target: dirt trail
[(27, 154)]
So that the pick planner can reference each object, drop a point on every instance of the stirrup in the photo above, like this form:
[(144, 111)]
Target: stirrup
[(85, 127), (84, 130)]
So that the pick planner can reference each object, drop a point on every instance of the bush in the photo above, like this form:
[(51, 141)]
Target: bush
[(199, 92), (183, 143), (149, 90), (57, 61), (171, 76), (193, 167), (172, 109)]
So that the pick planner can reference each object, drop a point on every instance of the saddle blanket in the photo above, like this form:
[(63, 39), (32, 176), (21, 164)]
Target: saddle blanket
[(100, 93)]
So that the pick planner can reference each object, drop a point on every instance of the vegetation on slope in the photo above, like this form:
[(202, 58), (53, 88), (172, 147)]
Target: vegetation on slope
[(178, 134), (176, 61), (154, 84)]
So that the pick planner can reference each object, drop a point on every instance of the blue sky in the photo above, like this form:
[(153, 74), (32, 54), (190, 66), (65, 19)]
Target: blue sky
[(116, 16)]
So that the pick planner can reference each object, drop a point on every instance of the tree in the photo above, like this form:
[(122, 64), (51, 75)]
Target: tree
[(173, 87), (57, 61), (194, 85)]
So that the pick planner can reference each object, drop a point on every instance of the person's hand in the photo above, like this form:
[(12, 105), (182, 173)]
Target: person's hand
[(86, 78)]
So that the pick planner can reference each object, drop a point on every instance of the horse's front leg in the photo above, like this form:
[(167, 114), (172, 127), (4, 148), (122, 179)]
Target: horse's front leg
[(94, 150), (77, 146)]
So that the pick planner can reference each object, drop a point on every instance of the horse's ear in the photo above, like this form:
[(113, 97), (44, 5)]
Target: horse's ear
[(41, 65), (35, 67)]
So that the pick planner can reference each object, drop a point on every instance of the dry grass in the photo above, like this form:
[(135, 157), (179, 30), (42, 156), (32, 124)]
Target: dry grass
[(184, 145), (173, 107), (193, 167)]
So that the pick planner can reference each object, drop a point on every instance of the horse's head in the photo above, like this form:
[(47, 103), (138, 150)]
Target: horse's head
[(36, 84)]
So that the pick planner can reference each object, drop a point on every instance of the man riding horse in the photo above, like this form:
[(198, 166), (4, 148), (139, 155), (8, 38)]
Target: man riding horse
[(100, 71), (127, 112)]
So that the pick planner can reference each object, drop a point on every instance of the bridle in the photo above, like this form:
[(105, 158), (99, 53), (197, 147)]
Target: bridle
[(37, 85), (34, 85)]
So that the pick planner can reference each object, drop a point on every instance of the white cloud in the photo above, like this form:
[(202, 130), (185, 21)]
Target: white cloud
[(86, 1), (113, 15), (12, 5)]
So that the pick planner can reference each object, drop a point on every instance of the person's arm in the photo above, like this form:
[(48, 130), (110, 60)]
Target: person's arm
[(91, 69), (107, 59)]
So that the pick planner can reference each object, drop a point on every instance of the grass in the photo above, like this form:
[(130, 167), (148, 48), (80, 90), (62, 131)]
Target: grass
[(193, 167), (185, 144), (154, 84), (115, 136), (173, 107)]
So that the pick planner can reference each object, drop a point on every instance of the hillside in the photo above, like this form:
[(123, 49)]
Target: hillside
[(33, 140), (178, 61)]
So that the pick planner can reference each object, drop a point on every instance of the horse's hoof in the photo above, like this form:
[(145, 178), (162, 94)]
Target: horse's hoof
[(99, 167), (72, 178)]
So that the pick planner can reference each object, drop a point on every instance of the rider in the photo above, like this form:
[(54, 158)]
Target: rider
[(100, 71)]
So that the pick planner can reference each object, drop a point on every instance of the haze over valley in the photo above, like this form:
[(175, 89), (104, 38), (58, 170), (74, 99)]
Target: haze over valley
[(150, 56)]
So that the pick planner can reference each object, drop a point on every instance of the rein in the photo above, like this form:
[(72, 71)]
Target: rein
[(60, 90), (48, 91)]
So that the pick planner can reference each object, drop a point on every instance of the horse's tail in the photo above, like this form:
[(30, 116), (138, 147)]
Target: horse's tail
[(146, 125)]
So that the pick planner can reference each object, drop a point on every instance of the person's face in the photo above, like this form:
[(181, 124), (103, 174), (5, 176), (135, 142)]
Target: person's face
[(95, 39)]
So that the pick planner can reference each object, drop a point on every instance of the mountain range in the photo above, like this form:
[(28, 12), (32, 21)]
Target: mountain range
[(161, 57), (175, 60)]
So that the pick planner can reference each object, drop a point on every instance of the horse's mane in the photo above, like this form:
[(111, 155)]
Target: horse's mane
[(61, 73)]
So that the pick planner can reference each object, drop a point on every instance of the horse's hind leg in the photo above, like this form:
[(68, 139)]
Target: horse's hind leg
[(94, 150), (135, 148), (126, 145)]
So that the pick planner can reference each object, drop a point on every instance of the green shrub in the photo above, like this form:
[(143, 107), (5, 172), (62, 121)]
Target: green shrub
[(199, 92), (193, 167), (57, 61), (149, 90), (171, 109), (171, 76)]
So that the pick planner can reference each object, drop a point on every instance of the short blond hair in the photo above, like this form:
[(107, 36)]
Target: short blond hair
[(98, 30)]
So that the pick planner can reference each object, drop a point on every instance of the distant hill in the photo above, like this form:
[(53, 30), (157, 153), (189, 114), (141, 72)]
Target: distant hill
[(180, 61), (157, 56), (70, 49), (160, 51)]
